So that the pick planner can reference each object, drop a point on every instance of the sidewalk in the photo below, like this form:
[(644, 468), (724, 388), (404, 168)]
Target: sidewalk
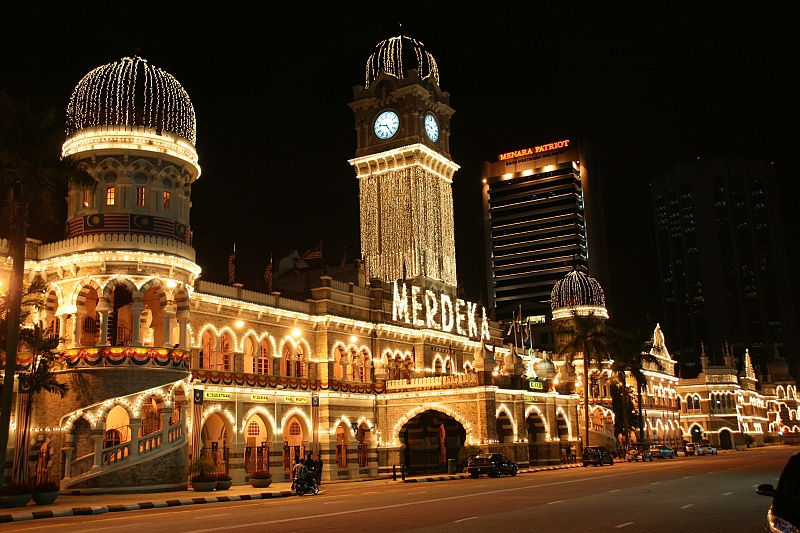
[(69, 505)]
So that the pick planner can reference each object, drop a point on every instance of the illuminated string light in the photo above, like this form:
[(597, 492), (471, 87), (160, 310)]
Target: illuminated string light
[(388, 58), (131, 93)]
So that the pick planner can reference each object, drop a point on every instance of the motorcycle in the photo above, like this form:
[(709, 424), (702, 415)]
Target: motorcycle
[(305, 486)]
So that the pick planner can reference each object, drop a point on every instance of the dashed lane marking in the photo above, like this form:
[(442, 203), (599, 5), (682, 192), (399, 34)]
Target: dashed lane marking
[(620, 526), (464, 519), (687, 506), (557, 501)]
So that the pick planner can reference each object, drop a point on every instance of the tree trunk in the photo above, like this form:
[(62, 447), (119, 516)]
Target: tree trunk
[(641, 420), (12, 319), (625, 432)]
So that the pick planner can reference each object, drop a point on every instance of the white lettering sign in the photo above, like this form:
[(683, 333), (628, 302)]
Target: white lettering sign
[(427, 309)]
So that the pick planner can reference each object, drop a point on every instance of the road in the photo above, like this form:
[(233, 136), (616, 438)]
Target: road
[(696, 494)]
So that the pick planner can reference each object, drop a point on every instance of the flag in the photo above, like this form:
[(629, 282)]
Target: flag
[(19, 471), (197, 421), (526, 331), (268, 274), (344, 264), (232, 266), (316, 253), (511, 326), (461, 292)]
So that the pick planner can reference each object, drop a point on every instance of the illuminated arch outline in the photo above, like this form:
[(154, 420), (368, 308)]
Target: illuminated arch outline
[(431, 407)]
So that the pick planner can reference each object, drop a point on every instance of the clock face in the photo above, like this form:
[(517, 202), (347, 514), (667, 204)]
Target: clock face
[(431, 127), (386, 124)]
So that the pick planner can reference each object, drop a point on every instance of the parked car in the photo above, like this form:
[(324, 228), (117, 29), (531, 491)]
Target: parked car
[(688, 448), (784, 513), (597, 456), (493, 464), (662, 452), (638, 452), (706, 449)]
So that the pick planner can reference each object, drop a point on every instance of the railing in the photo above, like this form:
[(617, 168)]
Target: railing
[(256, 458), (341, 455), (81, 465), (435, 382), (363, 453), (149, 443), (116, 454), (219, 456)]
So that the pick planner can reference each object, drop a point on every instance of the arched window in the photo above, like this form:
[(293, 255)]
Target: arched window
[(112, 438), (262, 365), (696, 402)]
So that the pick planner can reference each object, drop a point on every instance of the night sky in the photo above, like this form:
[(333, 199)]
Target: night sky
[(270, 86)]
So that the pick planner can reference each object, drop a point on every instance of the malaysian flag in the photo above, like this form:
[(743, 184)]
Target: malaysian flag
[(197, 422), (19, 470), (511, 326), (316, 253), (268, 274), (232, 266)]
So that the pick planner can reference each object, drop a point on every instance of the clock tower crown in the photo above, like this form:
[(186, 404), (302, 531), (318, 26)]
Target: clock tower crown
[(404, 166)]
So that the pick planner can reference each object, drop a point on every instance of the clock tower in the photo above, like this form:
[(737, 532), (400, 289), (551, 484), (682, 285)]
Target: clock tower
[(403, 165)]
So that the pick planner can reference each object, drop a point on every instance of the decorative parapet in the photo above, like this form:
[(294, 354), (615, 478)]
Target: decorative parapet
[(128, 356), (435, 382), (241, 379), (235, 293), (116, 241)]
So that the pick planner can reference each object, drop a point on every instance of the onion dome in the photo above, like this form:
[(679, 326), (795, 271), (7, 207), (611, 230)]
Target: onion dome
[(128, 94), (397, 55), (579, 292), (779, 369)]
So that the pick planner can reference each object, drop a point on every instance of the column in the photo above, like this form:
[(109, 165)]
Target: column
[(103, 309), (168, 313), (137, 308)]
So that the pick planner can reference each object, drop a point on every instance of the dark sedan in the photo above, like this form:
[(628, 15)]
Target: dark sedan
[(784, 513), (493, 464), (597, 456)]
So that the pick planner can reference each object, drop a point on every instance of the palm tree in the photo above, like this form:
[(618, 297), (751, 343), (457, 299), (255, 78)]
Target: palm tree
[(629, 351), (586, 335), (32, 175)]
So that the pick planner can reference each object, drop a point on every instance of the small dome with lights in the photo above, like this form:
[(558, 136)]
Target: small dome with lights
[(129, 94), (397, 55), (580, 292)]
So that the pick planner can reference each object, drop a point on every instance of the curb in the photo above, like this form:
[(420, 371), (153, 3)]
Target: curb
[(101, 509)]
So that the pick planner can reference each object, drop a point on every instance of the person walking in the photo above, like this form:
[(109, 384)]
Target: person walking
[(318, 469)]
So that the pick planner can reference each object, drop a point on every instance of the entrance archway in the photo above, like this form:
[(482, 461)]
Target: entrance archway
[(429, 440), (697, 434), (725, 440), (537, 437)]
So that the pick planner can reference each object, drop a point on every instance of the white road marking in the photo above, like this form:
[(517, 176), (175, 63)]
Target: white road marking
[(615, 490), (655, 482), (463, 519), (557, 501), (338, 501), (210, 516), (727, 493), (687, 506), (620, 526)]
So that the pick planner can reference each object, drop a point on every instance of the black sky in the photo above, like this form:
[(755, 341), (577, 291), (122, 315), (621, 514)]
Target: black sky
[(649, 88)]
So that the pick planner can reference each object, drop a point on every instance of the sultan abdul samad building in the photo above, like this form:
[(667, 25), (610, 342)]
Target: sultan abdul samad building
[(391, 368)]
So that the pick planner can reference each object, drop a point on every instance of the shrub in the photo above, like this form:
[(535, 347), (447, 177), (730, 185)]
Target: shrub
[(47, 486), (223, 477), (204, 470), (465, 451), (15, 489), (260, 474)]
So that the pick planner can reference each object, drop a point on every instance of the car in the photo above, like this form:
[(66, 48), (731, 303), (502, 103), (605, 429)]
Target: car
[(784, 513), (493, 464), (597, 456), (638, 452), (662, 452), (688, 448), (706, 449)]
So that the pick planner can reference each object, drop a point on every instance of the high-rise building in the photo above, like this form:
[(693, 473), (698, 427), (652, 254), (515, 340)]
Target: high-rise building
[(543, 216), (722, 263)]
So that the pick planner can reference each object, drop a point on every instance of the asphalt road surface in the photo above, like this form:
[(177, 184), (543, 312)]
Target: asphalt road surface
[(687, 494)]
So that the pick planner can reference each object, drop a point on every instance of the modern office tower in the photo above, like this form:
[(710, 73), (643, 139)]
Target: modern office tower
[(722, 264), (543, 216)]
